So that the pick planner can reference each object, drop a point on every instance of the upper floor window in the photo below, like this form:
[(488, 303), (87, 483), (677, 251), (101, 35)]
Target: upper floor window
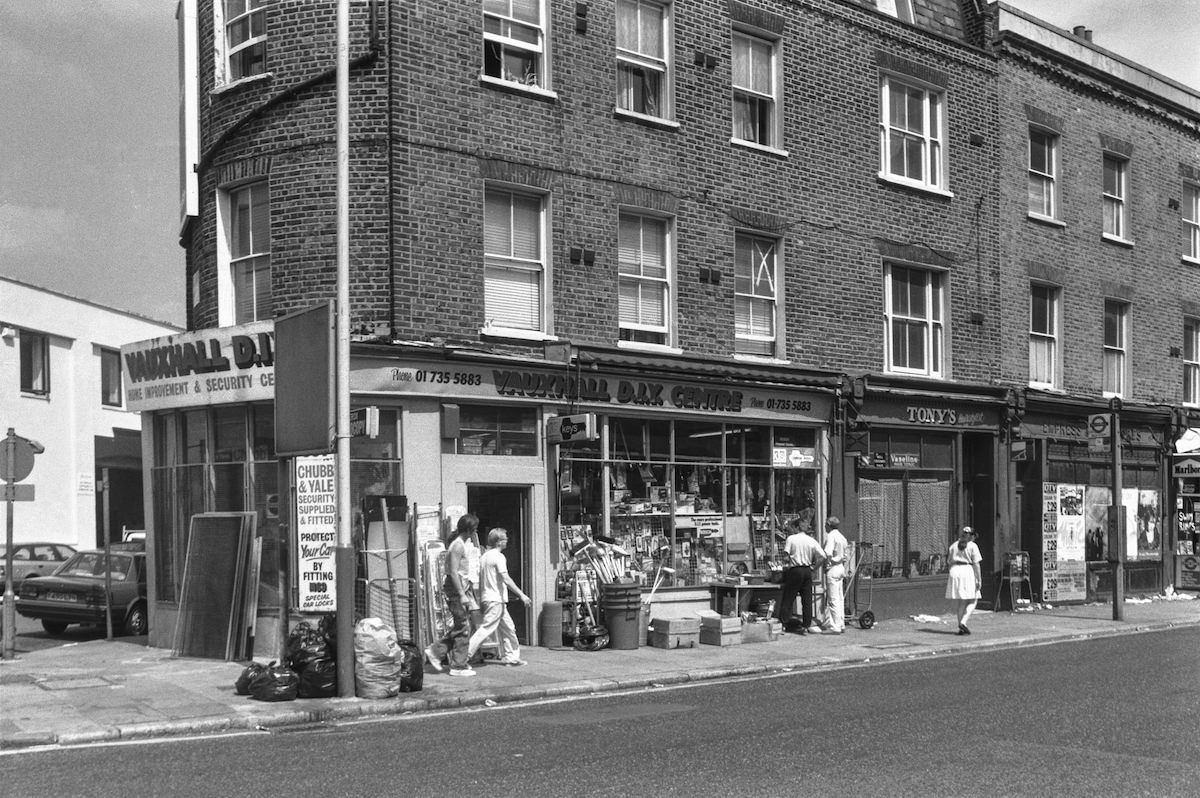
[(1043, 173), (249, 243), (514, 266), (915, 312), (900, 9), (1191, 221), (755, 90), (35, 362), (110, 377), (644, 58), (514, 41), (1043, 336), (1116, 347), (644, 258), (756, 295), (1115, 179), (912, 134), (1191, 361), (245, 38)]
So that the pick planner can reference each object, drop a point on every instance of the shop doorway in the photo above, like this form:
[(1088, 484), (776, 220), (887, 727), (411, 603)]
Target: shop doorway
[(507, 506)]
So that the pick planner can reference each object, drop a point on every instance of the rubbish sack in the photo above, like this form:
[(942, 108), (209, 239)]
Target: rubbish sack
[(327, 626), (319, 679), (377, 660), (242, 685), (305, 645), (275, 683), (412, 667)]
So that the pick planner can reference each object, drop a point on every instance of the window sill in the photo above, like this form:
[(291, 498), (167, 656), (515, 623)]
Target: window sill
[(922, 187), (645, 119), (750, 145), (1041, 386), (1050, 221), (920, 375), (664, 349), (1190, 260), (44, 396), (515, 333), (518, 88), (225, 88), (1112, 239), (765, 360)]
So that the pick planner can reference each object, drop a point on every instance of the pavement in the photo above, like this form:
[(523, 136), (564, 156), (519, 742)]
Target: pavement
[(108, 690)]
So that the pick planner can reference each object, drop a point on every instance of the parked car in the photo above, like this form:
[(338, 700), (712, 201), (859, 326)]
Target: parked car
[(36, 559), (74, 593)]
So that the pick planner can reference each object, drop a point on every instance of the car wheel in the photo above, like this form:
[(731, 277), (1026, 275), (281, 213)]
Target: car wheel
[(137, 622), (54, 627)]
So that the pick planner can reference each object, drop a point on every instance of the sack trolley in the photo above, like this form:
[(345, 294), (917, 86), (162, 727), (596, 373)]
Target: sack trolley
[(861, 561)]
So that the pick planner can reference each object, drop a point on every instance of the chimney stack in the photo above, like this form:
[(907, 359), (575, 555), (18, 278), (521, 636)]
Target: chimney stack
[(1082, 32)]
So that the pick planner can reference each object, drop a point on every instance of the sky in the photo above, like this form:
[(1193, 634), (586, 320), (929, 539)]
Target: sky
[(89, 198)]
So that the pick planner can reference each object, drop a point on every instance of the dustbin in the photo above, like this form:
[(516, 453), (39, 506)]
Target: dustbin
[(622, 607)]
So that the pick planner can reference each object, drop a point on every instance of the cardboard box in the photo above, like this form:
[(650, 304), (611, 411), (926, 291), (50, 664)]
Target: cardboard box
[(721, 623), (687, 625), (713, 636), (674, 640), (761, 631)]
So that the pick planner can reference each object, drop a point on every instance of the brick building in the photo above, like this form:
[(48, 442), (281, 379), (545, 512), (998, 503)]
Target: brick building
[(771, 247)]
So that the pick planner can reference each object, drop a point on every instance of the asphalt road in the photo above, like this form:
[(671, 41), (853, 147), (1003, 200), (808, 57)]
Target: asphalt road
[(30, 636), (1114, 716)]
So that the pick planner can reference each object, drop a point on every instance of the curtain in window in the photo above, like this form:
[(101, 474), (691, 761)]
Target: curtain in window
[(513, 272), (641, 252)]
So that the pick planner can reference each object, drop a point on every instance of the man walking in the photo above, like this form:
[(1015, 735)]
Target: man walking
[(462, 558), (495, 583), (833, 609), (803, 555)]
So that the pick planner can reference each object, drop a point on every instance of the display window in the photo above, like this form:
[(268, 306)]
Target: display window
[(694, 500)]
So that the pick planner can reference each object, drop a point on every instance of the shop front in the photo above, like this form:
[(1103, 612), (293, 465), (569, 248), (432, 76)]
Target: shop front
[(927, 464), (1185, 473), (1066, 497)]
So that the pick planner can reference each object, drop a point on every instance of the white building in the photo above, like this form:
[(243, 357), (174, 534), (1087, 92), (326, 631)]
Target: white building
[(61, 385)]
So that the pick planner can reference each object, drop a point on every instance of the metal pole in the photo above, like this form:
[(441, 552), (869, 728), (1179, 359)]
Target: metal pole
[(1117, 558), (10, 609), (344, 558)]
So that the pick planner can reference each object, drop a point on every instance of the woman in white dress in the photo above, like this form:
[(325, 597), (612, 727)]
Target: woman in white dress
[(965, 577)]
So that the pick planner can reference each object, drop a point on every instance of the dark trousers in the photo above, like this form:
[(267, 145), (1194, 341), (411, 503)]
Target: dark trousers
[(797, 581)]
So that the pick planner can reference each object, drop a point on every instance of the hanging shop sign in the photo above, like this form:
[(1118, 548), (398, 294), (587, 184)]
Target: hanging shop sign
[(1185, 467), (571, 429), (316, 533), (480, 383), (206, 367)]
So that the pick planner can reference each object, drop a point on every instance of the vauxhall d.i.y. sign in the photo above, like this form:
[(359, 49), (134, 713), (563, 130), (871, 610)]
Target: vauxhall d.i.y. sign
[(216, 366)]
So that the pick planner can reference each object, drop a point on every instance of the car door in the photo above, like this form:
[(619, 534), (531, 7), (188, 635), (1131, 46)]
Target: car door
[(43, 559)]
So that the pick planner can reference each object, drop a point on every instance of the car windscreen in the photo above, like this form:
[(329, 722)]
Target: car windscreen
[(94, 563)]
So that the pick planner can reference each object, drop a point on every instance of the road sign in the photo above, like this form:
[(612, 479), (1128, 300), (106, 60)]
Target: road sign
[(18, 493), (1099, 432), (21, 458)]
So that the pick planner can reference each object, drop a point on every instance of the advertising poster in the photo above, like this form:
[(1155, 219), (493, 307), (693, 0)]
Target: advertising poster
[(1070, 523), (316, 533), (1149, 529), (1095, 520), (1050, 541)]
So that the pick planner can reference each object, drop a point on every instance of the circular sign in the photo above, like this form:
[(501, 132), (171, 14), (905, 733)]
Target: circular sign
[(1098, 424), (22, 458)]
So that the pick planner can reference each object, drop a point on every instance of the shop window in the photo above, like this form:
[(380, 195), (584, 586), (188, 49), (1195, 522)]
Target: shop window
[(756, 295), (915, 320), (907, 520), (1191, 361), (644, 58), (1115, 187), (911, 134), (1116, 342), (644, 283), (756, 95), (110, 378), (514, 42), (492, 430), (35, 363)]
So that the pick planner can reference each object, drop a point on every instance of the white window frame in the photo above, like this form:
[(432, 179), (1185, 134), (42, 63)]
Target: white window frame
[(934, 173), (532, 266), (900, 9), (1191, 361), (1045, 339), (1115, 365), (1044, 203), (499, 25), (227, 52), (110, 377), (1115, 211), (770, 96), (756, 275), (1191, 222), (931, 323), (231, 263), (642, 334), (34, 367), (633, 60)]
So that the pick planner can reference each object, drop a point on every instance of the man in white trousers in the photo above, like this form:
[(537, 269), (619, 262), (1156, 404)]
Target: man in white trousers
[(495, 583), (833, 613)]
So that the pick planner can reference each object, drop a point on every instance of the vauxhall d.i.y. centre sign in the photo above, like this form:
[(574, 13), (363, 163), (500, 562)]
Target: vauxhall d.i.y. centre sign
[(206, 367)]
